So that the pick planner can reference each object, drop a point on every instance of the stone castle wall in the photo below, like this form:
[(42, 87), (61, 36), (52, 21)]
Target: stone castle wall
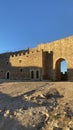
[(45, 59), (62, 50), (20, 65)]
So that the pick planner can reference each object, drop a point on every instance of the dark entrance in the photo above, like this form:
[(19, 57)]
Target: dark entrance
[(61, 70), (37, 74), (8, 75), (32, 74)]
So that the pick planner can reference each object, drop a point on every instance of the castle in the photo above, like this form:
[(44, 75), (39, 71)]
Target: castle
[(40, 63)]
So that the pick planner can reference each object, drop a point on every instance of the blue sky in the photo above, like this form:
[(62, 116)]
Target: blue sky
[(26, 23), (63, 66)]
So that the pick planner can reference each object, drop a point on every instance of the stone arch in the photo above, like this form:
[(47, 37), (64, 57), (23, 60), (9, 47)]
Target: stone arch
[(60, 76), (8, 75)]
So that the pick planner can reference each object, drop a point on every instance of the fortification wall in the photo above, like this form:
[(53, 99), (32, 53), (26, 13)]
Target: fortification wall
[(45, 59), (61, 49), (19, 65)]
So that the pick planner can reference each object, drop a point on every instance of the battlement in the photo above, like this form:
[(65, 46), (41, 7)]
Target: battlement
[(25, 53)]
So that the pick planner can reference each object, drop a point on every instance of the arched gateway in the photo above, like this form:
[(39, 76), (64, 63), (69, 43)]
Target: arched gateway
[(60, 76), (40, 63), (56, 52)]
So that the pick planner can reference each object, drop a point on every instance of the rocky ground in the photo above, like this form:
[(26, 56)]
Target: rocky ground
[(36, 105)]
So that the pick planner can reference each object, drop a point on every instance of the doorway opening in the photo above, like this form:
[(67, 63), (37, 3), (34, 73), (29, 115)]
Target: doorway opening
[(37, 74), (61, 70), (32, 74), (8, 75)]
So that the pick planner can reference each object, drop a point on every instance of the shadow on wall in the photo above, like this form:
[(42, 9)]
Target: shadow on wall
[(48, 65), (67, 76), (21, 73)]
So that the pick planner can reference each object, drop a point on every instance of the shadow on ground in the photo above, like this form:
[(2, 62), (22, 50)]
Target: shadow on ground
[(8, 106)]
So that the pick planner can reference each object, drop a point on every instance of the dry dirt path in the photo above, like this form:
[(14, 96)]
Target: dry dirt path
[(36, 105)]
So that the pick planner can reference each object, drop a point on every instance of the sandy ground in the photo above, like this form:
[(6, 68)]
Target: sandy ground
[(36, 105)]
